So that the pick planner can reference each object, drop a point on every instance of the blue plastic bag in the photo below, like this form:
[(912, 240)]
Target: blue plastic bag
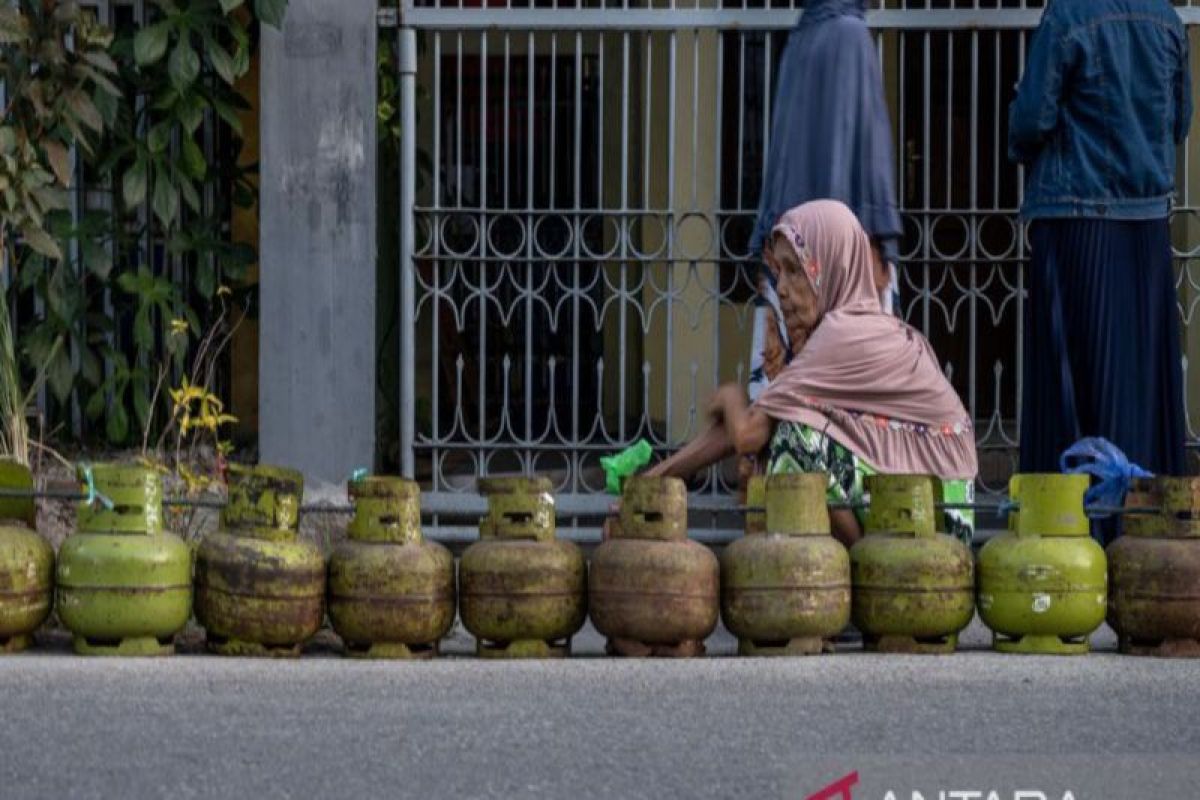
[(1104, 461)]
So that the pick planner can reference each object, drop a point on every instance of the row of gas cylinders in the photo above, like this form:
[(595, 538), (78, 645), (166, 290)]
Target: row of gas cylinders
[(124, 586)]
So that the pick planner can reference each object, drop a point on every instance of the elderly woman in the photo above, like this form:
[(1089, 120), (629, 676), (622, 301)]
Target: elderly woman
[(830, 139), (1104, 99), (863, 394)]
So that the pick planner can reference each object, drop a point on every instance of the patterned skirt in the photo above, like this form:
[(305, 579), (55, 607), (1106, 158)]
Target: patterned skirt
[(796, 448)]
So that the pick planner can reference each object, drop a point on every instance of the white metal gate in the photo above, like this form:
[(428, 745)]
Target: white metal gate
[(578, 189)]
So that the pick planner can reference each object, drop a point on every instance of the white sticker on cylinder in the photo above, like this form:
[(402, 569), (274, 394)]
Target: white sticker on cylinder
[(1041, 603)]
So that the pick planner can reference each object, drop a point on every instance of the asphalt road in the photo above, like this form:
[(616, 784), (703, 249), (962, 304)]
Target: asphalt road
[(1100, 726)]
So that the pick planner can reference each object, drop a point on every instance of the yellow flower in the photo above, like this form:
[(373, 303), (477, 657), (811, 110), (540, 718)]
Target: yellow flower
[(179, 327)]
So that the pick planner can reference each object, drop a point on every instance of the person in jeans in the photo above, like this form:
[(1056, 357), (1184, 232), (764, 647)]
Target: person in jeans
[(1104, 101)]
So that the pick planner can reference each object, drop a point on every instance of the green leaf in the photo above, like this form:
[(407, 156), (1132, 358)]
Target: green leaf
[(190, 196), (194, 163), (141, 403), (206, 279), (102, 82), (222, 62), (96, 257), (60, 161), (101, 61), (89, 366), (129, 282), (228, 113), (96, 404), (190, 114), (85, 110), (14, 27), (166, 200), (40, 242), (116, 427), (270, 11), (230, 5), (60, 375), (183, 65), (108, 105), (159, 137), (150, 43), (241, 59), (51, 197), (143, 332), (133, 184)]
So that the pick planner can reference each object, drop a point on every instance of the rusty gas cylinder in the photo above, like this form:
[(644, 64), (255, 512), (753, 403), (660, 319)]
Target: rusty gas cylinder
[(654, 592), (124, 585), (523, 591), (260, 591), (1043, 586), (914, 588), (785, 590), (756, 505), (1154, 571), (26, 563), (391, 593)]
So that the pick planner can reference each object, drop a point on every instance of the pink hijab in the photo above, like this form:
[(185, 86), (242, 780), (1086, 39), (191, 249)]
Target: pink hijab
[(865, 378)]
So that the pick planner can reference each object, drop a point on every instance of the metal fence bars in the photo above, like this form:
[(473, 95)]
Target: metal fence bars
[(579, 184)]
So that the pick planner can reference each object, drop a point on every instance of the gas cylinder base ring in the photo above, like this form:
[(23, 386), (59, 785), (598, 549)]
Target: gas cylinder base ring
[(1048, 645), (396, 651), (632, 648), (17, 643), (800, 646), (1161, 648), (129, 646), (523, 648), (911, 645), (237, 647)]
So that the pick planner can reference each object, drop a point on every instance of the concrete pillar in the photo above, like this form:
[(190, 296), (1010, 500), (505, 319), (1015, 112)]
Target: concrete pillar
[(317, 243)]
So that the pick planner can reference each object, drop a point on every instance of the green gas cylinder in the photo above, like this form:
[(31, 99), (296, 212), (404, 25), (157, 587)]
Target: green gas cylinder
[(124, 586), (785, 590), (523, 591), (756, 505), (914, 588), (653, 591), (26, 563), (1154, 571), (260, 590), (391, 593), (1043, 585)]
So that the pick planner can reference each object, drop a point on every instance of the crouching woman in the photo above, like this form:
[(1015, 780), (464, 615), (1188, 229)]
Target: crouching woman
[(863, 393)]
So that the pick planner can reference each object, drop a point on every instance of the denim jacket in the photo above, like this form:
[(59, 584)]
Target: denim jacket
[(1105, 97)]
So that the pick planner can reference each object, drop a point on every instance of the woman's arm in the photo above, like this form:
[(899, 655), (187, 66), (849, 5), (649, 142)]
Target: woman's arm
[(749, 429)]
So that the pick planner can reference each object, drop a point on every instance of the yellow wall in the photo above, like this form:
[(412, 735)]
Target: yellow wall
[(1187, 235), (244, 345), (703, 331)]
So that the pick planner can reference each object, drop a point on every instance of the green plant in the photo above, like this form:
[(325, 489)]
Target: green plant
[(185, 64), (60, 94), (110, 288), (195, 458)]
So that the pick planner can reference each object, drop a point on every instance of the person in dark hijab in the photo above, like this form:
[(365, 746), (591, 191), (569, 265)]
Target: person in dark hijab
[(830, 139), (1105, 99)]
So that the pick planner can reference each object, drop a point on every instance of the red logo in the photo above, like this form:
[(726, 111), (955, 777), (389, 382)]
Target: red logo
[(838, 790)]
